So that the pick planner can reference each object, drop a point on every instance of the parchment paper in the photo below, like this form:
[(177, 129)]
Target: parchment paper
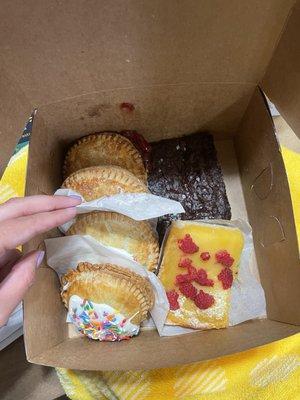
[(65, 253), (138, 206), (247, 295)]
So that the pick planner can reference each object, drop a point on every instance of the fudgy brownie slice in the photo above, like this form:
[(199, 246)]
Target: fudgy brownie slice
[(186, 169)]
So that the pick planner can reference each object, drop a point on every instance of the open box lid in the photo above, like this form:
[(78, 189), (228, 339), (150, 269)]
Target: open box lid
[(51, 52), (282, 79), (82, 53)]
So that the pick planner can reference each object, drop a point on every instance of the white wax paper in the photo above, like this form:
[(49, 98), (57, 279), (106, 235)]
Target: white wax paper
[(65, 253), (247, 295), (138, 206)]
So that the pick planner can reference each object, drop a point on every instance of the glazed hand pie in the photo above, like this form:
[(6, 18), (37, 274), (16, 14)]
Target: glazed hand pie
[(105, 148), (116, 230), (95, 182), (105, 301), (200, 262)]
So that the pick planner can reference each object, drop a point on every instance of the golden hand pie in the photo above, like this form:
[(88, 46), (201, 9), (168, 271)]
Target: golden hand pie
[(200, 262), (116, 230), (95, 182), (105, 148), (120, 288)]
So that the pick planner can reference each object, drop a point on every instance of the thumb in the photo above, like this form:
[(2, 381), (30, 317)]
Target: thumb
[(17, 282)]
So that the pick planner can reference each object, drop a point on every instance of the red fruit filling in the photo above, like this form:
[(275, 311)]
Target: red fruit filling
[(129, 107), (188, 290), (224, 258), (172, 296), (226, 277), (204, 300), (185, 263), (141, 144), (202, 279), (187, 245), (205, 256)]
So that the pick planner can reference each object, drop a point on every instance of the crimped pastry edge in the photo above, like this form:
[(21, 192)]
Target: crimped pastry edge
[(109, 172), (130, 148), (144, 228), (141, 283)]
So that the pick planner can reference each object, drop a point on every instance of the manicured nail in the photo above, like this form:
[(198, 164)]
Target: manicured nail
[(39, 258), (74, 196)]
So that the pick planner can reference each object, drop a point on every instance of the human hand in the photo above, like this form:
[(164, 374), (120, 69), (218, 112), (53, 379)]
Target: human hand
[(20, 220)]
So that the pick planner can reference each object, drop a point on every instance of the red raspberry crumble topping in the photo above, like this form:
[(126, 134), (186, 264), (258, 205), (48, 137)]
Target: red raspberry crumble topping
[(226, 277), (204, 300), (205, 256), (187, 245), (199, 276), (185, 263), (202, 279), (183, 278), (188, 290), (192, 272), (224, 258), (172, 296)]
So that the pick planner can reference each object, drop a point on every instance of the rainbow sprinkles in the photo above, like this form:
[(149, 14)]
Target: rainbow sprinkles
[(99, 321)]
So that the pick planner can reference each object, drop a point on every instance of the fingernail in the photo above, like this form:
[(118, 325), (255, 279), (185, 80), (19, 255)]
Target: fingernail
[(74, 196), (39, 258)]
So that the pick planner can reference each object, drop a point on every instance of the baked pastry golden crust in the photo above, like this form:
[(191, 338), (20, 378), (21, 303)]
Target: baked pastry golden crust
[(106, 148), (95, 182), (120, 288), (117, 230)]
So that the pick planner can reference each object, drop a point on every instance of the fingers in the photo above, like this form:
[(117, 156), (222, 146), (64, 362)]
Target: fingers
[(17, 282), (22, 206), (18, 231), (9, 257), (7, 261)]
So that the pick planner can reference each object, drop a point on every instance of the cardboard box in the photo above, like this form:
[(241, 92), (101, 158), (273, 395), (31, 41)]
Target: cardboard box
[(186, 66)]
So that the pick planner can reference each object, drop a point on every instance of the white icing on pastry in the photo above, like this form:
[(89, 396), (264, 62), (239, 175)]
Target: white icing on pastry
[(99, 321)]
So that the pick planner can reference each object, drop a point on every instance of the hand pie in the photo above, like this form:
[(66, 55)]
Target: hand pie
[(116, 230), (200, 263), (95, 182), (105, 148), (105, 301)]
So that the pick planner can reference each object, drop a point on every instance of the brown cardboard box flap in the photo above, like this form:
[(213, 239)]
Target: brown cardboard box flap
[(195, 103), (270, 212), (58, 50), (282, 78), (149, 351), (52, 51)]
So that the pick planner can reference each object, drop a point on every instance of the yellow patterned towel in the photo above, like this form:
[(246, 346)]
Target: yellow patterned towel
[(270, 372), (12, 183), (292, 166)]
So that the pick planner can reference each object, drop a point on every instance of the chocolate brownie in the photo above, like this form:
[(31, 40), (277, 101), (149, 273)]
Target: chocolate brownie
[(186, 169)]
